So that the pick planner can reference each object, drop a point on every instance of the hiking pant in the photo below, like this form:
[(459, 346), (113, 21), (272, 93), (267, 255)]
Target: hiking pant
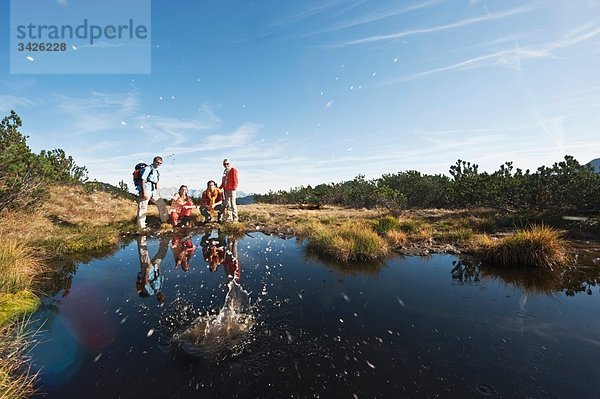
[(231, 214), (207, 215), (143, 209)]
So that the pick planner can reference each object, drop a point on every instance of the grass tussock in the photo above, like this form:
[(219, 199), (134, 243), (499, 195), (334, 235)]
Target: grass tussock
[(539, 247), (386, 224), (396, 238), (16, 381), (19, 265), (351, 241)]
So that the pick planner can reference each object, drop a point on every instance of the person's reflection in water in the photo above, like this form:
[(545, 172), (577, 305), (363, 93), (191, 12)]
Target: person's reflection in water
[(218, 336), (222, 250), (183, 249), (150, 279)]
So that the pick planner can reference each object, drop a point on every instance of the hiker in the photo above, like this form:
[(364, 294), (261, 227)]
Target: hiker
[(183, 249), (221, 251), (181, 207), (212, 200), (149, 279), (148, 191), (229, 184), (233, 269)]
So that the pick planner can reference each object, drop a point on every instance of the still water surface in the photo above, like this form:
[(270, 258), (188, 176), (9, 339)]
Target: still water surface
[(286, 325)]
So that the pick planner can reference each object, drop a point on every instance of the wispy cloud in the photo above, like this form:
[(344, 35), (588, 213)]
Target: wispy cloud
[(240, 137), (98, 111), (307, 13), (169, 130), (512, 57), (9, 102), (375, 16), (459, 24)]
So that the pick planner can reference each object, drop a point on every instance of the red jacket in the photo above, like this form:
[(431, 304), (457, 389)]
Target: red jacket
[(232, 180)]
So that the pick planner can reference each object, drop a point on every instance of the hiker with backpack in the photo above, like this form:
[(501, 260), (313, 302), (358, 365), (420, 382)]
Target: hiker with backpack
[(145, 178)]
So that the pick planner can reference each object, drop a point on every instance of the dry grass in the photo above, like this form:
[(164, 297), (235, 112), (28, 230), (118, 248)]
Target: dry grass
[(19, 266), (537, 247), (396, 238), (288, 215), (71, 220), (15, 378)]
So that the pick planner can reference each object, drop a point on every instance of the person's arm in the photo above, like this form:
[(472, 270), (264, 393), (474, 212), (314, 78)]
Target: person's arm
[(219, 200), (233, 178), (189, 204), (145, 175), (204, 200)]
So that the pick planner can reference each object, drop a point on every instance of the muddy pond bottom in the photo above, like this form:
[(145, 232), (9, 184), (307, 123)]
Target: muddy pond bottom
[(214, 316)]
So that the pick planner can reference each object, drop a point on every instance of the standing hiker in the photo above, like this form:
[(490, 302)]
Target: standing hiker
[(148, 191), (229, 184)]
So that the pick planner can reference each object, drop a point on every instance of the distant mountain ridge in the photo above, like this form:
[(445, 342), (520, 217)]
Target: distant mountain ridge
[(595, 163)]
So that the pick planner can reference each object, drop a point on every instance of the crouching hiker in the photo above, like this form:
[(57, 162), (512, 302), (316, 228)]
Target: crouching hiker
[(212, 200), (147, 188)]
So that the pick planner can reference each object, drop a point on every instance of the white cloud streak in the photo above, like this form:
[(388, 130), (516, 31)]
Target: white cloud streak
[(511, 58), (294, 18), (9, 102), (375, 16), (470, 21)]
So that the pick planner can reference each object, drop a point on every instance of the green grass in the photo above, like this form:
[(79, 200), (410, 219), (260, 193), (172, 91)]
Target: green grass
[(352, 241), (458, 235), (537, 247), (14, 305), (78, 239), (387, 223)]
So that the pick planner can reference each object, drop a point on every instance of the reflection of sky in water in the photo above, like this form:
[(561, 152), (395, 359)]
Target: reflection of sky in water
[(404, 326)]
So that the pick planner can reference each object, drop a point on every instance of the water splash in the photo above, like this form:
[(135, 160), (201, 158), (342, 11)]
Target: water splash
[(217, 335)]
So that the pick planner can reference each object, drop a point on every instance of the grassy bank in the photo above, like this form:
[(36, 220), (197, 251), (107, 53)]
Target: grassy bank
[(71, 220), (75, 221), (360, 234)]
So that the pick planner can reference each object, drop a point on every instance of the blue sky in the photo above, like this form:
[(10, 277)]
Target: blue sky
[(306, 92)]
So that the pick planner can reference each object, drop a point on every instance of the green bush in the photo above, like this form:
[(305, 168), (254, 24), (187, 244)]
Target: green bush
[(24, 174)]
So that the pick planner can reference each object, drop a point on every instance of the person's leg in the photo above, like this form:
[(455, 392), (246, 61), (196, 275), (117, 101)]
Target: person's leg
[(162, 207), (234, 212), (227, 201), (219, 209), (174, 218), (141, 212), (205, 213)]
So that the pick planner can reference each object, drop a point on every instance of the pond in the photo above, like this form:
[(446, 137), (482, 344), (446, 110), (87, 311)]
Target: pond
[(268, 320)]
